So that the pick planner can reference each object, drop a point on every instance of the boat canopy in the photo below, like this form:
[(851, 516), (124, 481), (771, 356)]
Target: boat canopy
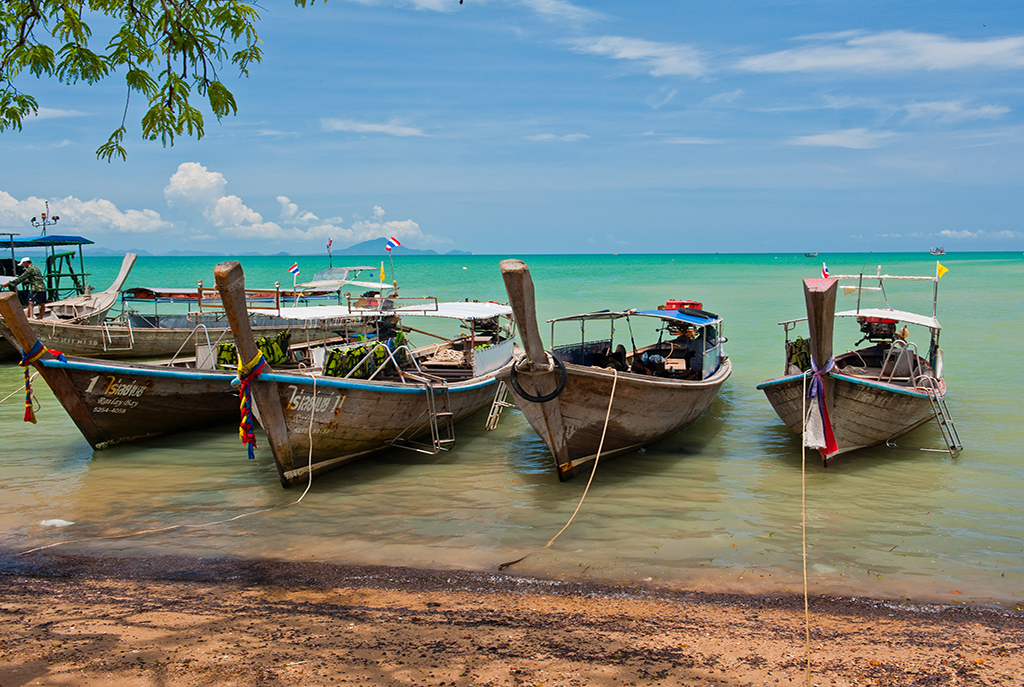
[(336, 277), (676, 316), (889, 314), (47, 242), (459, 310)]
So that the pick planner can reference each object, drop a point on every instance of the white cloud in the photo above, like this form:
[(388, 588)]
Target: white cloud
[(96, 216), (891, 51), (288, 208), (966, 234), (571, 138), (847, 138), (953, 111), (51, 113), (659, 59), (194, 184), (391, 129)]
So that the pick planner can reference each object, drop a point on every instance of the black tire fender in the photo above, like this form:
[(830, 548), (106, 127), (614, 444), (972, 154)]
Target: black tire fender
[(563, 375)]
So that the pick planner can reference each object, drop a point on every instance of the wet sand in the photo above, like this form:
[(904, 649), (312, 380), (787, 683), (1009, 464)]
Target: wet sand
[(69, 620)]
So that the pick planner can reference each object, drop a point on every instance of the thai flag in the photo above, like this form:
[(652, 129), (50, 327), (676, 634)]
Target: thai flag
[(392, 243), (294, 269), (329, 242), (824, 271)]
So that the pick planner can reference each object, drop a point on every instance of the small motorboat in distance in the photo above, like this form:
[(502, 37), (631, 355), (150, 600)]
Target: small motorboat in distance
[(868, 395), (596, 399), (938, 251)]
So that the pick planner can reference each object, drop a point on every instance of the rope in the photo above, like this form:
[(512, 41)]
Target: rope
[(247, 374), (593, 471), (803, 529), (17, 391)]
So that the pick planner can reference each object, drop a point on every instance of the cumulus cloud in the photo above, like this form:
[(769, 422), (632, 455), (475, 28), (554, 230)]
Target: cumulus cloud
[(193, 184), (659, 59), (890, 51), (96, 216), (846, 138), (390, 129)]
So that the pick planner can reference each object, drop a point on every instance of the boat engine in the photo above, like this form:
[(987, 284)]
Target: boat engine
[(876, 329)]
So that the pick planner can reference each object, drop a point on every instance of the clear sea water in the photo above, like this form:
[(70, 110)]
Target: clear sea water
[(716, 507)]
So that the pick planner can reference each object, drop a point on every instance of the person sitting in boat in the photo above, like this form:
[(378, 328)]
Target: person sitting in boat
[(36, 286), (694, 347)]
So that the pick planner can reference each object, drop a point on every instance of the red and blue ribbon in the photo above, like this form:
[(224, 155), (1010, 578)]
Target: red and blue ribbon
[(816, 389), (27, 359), (247, 374)]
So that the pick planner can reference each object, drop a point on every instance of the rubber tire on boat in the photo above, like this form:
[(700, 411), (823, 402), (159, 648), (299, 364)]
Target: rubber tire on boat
[(563, 376)]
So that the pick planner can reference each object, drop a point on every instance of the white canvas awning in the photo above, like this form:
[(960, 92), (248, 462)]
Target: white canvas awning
[(898, 315)]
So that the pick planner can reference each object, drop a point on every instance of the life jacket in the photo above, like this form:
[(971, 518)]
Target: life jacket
[(227, 358), (334, 364), (275, 349), (396, 343)]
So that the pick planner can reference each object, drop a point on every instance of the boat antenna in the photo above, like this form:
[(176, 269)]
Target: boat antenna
[(881, 284), (860, 280), (630, 324)]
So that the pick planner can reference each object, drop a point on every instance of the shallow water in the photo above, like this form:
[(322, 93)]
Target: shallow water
[(716, 506)]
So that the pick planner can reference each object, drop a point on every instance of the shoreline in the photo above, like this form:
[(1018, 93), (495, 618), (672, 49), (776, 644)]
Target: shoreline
[(183, 621)]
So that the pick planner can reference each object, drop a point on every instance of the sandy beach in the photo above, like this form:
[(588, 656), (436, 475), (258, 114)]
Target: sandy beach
[(68, 620)]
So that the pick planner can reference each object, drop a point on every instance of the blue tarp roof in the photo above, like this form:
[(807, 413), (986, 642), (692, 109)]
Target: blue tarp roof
[(668, 315), (681, 316), (45, 242)]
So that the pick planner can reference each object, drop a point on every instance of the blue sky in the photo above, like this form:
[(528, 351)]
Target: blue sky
[(547, 126)]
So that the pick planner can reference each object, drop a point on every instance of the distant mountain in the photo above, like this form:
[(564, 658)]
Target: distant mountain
[(376, 247), (103, 252), (193, 254)]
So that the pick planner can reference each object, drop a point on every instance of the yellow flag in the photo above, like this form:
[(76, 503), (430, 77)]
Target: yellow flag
[(382, 271), (939, 269)]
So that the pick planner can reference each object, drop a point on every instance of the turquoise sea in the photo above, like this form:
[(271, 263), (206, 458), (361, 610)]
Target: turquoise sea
[(716, 507)]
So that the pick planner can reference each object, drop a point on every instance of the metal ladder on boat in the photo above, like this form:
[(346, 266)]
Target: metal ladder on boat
[(109, 338), (944, 419), (499, 403), (440, 417)]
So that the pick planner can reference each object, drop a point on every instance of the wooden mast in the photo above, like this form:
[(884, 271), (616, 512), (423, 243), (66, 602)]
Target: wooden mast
[(56, 378), (519, 286), (231, 284)]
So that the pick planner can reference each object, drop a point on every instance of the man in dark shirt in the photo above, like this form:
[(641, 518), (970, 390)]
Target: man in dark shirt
[(36, 286)]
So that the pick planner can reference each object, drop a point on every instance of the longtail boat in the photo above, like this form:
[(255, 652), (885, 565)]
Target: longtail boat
[(368, 397), (868, 395), (114, 402), (593, 396)]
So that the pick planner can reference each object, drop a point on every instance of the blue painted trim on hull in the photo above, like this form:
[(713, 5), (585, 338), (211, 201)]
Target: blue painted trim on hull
[(169, 373), (394, 388), (891, 388)]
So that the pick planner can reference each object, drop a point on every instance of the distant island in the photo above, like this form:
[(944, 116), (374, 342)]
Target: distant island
[(371, 247)]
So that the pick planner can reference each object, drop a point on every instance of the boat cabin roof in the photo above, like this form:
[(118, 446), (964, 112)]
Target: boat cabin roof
[(48, 242), (889, 314), (337, 277), (458, 310), (665, 315)]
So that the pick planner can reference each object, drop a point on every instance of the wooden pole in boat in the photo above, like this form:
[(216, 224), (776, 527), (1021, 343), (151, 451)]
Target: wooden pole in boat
[(231, 284), (519, 286), (56, 378)]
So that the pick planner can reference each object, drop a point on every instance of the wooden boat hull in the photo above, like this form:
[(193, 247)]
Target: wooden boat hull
[(116, 343), (353, 419), (863, 412), (114, 403), (645, 410)]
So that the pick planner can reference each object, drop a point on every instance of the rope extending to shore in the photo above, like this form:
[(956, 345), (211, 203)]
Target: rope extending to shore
[(19, 390), (593, 471), (803, 530)]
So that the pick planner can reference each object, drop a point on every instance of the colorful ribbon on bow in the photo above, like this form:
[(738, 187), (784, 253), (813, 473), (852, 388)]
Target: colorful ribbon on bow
[(247, 374), (816, 389), (27, 359)]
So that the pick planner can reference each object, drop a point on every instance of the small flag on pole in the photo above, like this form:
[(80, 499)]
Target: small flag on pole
[(294, 269), (824, 271), (940, 269), (329, 242), (392, 243), (382, 271)]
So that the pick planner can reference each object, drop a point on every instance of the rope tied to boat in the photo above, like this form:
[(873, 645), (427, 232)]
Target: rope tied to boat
[(818, 427), (247, 374), (27, 359)]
